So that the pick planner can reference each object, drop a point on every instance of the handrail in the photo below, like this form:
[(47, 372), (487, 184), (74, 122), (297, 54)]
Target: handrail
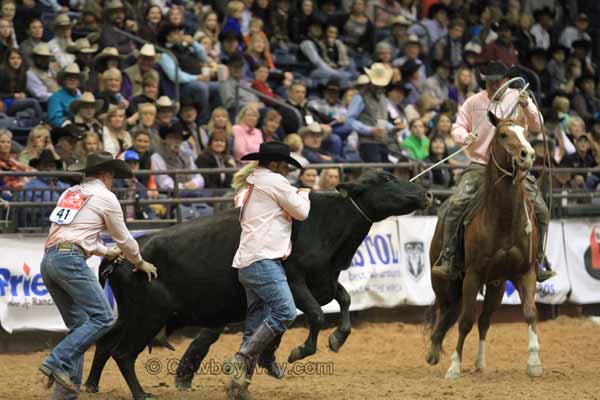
[(142, 41), (264, 97)]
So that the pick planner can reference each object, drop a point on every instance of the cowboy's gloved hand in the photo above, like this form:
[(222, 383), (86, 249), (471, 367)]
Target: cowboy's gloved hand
[(148, 268), (113, 252), (524, 98)]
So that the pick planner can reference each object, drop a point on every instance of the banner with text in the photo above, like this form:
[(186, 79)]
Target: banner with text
[(582, 248)]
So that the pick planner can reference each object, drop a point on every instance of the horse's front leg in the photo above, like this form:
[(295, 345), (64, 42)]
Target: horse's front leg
[(526, 288), (471, 285), (316, 319), (339, 336)]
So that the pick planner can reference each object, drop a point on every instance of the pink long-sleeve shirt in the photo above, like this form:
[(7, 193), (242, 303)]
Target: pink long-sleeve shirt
[(245, 140), (474, 110)]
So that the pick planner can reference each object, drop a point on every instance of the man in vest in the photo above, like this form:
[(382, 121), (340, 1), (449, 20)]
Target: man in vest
[(145, 64), (368, 116), (41, 82), (474, 110), (82, 213)]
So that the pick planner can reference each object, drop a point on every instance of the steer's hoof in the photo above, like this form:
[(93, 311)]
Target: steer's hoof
[(91, 388), (336, 342), (432, 358), (183, 384), (144, 396), (238, 392), (296, 354), (535, 371)]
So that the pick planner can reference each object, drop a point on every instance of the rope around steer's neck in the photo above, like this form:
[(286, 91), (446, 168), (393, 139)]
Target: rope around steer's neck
[(360, 210)]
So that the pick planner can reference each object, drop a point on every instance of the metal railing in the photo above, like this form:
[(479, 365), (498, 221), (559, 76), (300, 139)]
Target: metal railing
[(266, 98)]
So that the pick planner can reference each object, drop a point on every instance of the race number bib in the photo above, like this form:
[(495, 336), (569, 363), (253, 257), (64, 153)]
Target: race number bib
[(68, 207)]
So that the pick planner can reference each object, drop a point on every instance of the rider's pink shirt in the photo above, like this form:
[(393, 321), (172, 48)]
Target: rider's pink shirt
[(474, 110)]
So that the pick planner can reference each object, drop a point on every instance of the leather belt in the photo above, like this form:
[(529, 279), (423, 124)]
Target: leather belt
[(66, 247)]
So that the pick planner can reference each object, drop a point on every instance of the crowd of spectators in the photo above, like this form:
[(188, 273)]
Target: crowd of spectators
[(337, 80)]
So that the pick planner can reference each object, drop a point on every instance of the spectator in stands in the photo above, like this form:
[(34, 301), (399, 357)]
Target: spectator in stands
[(436, 23), (585, 102), (502, 48), (358, 34), (191, 57), (235, 9), (35, 34), (399, 35), (115, 136), (90, 143), (329, 110), (65, 140), (84, 111), (8, 162), (258, 52), (464, 85), (13, 87), (62, 40), (441, 177), (280, 25), (271, 126), (230, 45), (411, 76), (261, 75), (450, 47), (210, 27), (150, 27), (368, 115), (296, 148), (541, 30), (246, 136), (115, 17), (329, 179), (219, 122), (524, 39), (44, 188), (312, 140), (149, 93), (417, 144), (396, 93), (133, 189), (471, 53), (90, 22), (145, 65), (557, 68), (582, 158), (112, 90), (577, 32), (582, 52), (198, 137), (166, 111), (335, 52), (170, 156), (41, 81), (37, 141), (383, 55), (216, 155), (58, 104), (438, 85), (108, 58), (300, 21), (141, 144), (227, 89), (538, 63), (567, 139), (262, 9), (147, 123), (85, 55), (308, 178)]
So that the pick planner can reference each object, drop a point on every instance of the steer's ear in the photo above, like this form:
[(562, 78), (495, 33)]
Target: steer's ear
[(350, 189)]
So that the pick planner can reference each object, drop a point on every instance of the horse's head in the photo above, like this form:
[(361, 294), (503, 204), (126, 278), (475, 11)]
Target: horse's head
[(510, 149)]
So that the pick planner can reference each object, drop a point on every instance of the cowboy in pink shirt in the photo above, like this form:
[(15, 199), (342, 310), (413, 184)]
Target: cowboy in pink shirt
[(473, 128)]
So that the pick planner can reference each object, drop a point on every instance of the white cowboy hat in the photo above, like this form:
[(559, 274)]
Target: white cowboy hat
[(379, 74), (148, 50), (165, 102), (42, 49), (85, 98)]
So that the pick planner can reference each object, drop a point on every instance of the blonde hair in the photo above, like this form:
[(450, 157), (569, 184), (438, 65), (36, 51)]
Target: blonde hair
[(234, 7), (146, 108), (255, 38), (6, 132), (323, 175), (242, 114), (40, 129), (561, 104), (211, 123), (575, 120), (239, 179), (80, 150), (294, 141), (112, 73)]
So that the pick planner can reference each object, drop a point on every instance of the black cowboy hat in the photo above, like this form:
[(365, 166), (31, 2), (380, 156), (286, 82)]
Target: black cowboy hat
[(165, 30), (583, 78), (176, 128), (229, 35), (331, 84), (188, 101), (103, 161), (45, 156), (493, 71), (273, 151), (403, 86), (436, 8), (538, 51), (409, 68), (70, 131), (547, 11), (559, 47)]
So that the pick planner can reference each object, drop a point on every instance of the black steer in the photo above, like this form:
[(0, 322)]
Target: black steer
[(197, 286)]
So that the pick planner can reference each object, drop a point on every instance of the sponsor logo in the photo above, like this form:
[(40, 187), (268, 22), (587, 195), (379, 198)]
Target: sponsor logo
[(376, 249), (22, 284), (415, 255), (591, 257)]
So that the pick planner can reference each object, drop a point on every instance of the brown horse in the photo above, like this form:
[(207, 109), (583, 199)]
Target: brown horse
[(499, 245)]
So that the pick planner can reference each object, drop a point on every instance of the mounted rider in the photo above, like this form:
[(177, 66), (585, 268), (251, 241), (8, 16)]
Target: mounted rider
[(473, 128)]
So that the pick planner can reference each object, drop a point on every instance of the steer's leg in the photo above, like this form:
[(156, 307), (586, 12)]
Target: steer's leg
[(493, 298), (104, 348), (339, 336), (312, 309), (195, 353)]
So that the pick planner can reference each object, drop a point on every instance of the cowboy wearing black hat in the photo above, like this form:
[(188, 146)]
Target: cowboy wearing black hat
[(265, 241), (473, 113), (82, 213)]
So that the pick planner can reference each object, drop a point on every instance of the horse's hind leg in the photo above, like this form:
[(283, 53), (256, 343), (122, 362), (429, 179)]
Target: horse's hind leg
[(195, 353), (493, 298), (526, 287), (446, 314), (470, 289), (339, 336)]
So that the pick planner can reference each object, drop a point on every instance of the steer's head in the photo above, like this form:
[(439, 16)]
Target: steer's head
[(380, 195)]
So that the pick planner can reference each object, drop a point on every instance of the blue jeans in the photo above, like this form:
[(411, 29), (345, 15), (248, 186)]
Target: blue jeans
[(268, 296), (82, 305)]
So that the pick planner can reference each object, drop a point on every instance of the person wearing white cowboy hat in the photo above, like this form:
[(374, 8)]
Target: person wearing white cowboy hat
[(115, 17), (69, 78), (84, 111), (82, 213), (146, 61), (165, 110), (268, 207), (109, 57), (367, 114), (62, 40), (41, 82)]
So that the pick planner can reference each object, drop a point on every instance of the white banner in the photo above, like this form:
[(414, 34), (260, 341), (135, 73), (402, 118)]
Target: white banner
[(582, 250)]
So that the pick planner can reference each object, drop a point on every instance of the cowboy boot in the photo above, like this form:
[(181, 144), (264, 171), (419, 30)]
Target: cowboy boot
[(443, 265), (267, 359), (240, 365), (235, 392), (543, 270)]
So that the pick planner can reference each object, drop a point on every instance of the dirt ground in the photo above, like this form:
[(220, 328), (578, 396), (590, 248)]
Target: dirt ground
[(379, 361)]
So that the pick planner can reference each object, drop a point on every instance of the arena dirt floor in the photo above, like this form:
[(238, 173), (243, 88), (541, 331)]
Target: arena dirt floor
[(379, 361)]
